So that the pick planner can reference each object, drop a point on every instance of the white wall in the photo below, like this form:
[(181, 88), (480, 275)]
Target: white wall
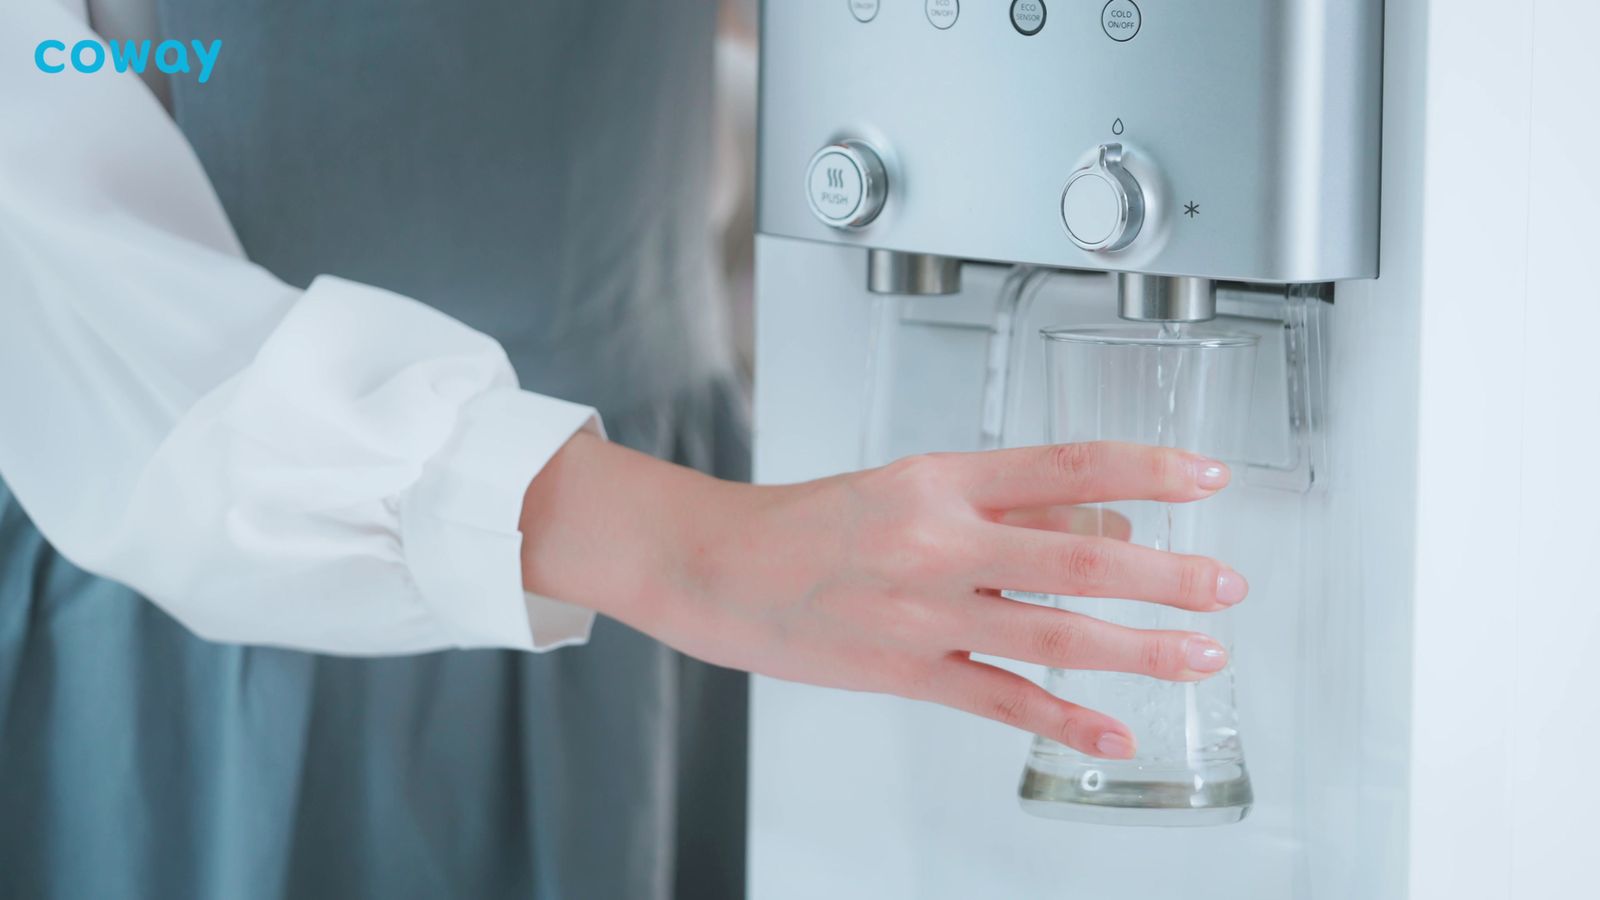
[(1507, 609)]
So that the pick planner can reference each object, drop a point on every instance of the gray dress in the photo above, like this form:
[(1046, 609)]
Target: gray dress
[(538, 169)]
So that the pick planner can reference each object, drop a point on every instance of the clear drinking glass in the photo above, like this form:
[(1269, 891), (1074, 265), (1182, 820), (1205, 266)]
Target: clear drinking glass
[(1174, 386)]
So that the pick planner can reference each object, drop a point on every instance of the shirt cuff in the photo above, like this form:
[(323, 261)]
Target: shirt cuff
[(459, 523)]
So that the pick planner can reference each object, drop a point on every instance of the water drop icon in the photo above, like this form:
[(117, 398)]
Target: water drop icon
[(1116, 127)]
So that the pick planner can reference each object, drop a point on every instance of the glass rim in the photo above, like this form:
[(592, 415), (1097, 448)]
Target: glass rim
[(1129, 335)]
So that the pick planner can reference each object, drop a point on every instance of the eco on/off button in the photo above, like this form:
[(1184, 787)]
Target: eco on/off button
[(1121, 19), (943, 13)]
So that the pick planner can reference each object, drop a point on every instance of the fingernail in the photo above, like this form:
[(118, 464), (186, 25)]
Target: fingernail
[(1114, 746), (1231, 587), (1212, 475), (1204, 655)]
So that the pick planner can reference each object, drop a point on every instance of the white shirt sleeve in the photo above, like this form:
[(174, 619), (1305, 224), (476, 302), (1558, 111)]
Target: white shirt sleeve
[(339, 469)]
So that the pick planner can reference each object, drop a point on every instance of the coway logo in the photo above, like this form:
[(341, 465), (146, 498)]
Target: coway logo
[(88, 56)]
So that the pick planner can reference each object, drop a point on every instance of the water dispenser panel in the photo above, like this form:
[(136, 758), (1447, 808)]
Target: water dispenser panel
[(1229, 139)]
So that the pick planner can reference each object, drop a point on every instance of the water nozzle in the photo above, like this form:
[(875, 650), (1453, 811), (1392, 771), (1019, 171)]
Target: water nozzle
[(1165, 298), (916, 274)]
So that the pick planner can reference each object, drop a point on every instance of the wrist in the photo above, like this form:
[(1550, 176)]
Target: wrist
[(616, 531)]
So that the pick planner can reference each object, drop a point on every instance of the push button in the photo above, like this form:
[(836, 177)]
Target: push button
[(836, 187), (1027, 16), (846, 184)]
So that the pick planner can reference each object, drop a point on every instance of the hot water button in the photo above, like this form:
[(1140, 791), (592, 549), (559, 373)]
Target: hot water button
[(846, 184)]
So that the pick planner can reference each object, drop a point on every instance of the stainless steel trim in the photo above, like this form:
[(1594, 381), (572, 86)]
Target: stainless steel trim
[(1165, 298), (891, 272)]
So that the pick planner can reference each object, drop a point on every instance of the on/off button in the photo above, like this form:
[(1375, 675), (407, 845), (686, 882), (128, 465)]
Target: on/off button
[(864, 10), (1121, 20), (943, 13)]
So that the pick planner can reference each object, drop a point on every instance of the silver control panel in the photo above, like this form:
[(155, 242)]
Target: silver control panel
[(1228, 139)]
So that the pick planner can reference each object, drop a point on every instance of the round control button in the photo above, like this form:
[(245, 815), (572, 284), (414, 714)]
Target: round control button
[(1102, 205), (1091, 209), (836, 186), (846, 184), (1027, 16), (863, 10), (943, 13), (1121, 20)]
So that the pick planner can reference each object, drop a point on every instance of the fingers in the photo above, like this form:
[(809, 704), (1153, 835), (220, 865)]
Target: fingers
[(1043, 562), (1067, 474), (996, 694), (1068, 640), (1086, 520)]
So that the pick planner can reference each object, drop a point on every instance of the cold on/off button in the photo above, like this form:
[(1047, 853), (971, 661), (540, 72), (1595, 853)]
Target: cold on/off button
[(1121, 19)]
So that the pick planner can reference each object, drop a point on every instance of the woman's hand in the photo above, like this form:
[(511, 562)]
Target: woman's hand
[(886, 580)]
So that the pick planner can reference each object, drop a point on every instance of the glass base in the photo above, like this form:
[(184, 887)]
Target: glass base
[(1122, 794)]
